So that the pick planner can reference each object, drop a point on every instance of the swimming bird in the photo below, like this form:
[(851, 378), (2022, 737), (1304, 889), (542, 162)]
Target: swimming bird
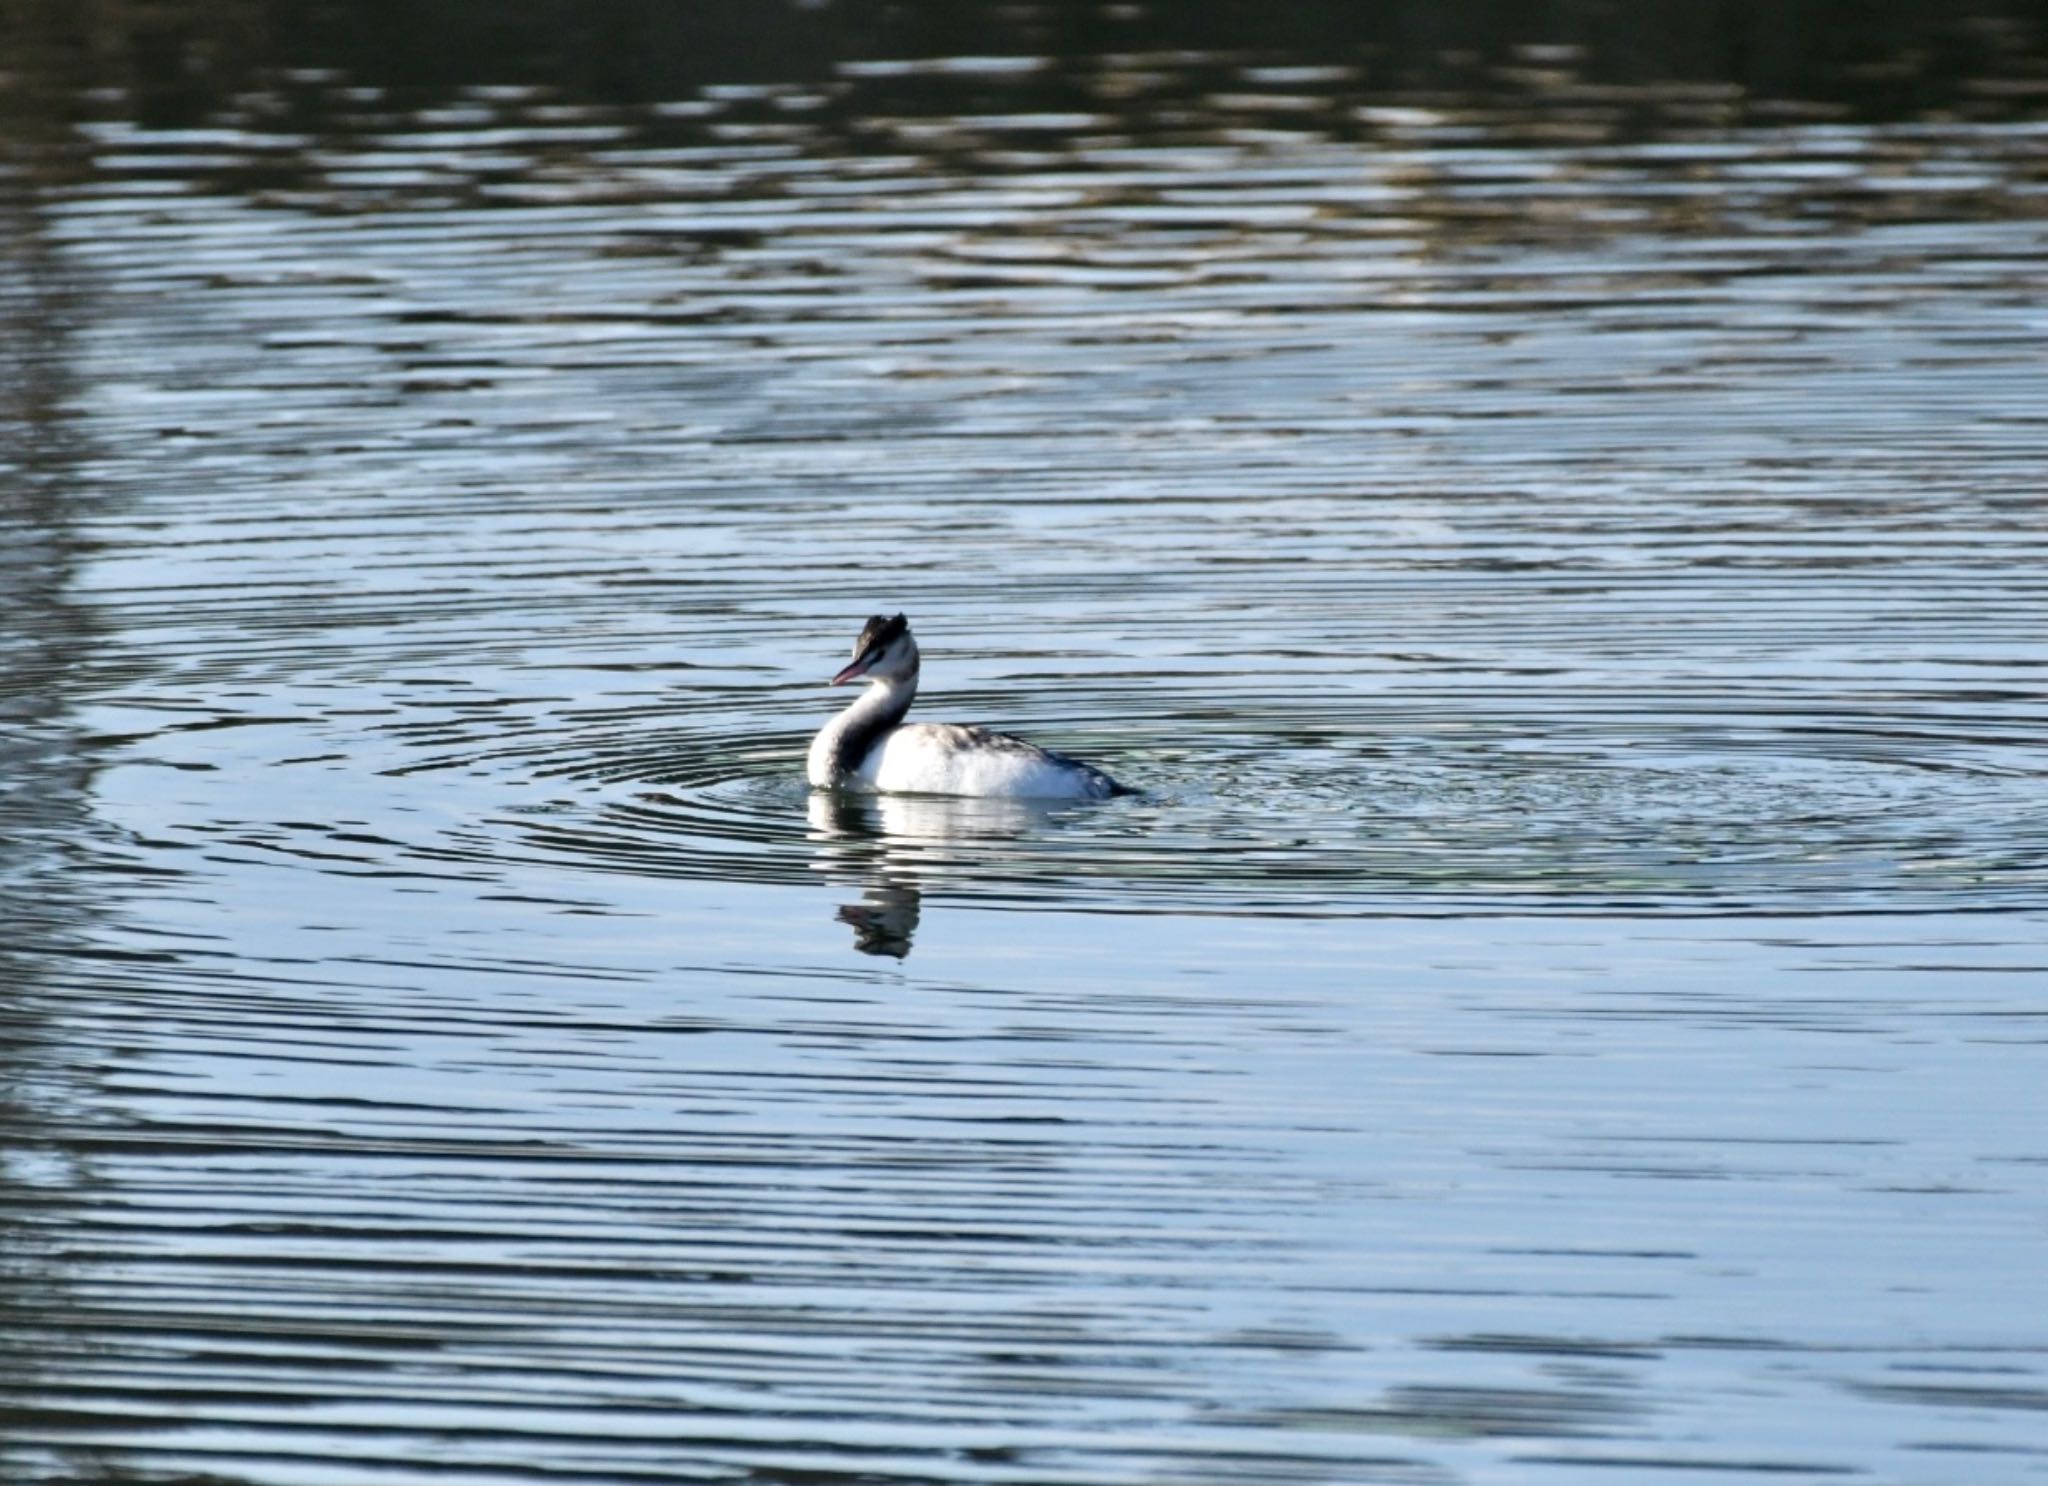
[(869, 746)]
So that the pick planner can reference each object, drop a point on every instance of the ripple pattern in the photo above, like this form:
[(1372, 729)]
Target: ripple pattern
[(1555, 535)]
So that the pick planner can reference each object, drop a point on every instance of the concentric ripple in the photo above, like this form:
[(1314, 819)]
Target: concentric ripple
[(1313, 811)]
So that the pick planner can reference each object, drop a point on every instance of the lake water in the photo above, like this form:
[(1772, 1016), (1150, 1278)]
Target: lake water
[(1560, 550)]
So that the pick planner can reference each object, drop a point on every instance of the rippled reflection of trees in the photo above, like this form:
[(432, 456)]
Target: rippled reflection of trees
[(309, 88), (51, 848), (177, 60)]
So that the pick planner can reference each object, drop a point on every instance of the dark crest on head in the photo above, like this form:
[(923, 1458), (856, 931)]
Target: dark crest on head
[(879, 632)]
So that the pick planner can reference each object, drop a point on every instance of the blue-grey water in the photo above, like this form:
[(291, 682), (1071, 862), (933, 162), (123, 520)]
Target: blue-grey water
[(1556, 536)]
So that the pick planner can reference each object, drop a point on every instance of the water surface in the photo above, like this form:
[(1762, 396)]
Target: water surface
[(1558, 547)]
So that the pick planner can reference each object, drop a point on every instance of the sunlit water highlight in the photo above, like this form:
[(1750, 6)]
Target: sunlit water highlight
[(1565, 997)]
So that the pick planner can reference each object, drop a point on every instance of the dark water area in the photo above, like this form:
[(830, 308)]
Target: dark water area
[(1545, 504)]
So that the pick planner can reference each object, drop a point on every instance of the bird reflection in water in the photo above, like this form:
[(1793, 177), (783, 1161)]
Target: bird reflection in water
[(895, 847)]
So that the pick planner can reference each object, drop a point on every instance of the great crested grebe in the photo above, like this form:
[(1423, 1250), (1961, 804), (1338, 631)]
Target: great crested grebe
[(869, 746)]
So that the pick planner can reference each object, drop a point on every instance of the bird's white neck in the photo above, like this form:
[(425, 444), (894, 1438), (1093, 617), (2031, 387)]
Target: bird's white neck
[(843, 742)]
